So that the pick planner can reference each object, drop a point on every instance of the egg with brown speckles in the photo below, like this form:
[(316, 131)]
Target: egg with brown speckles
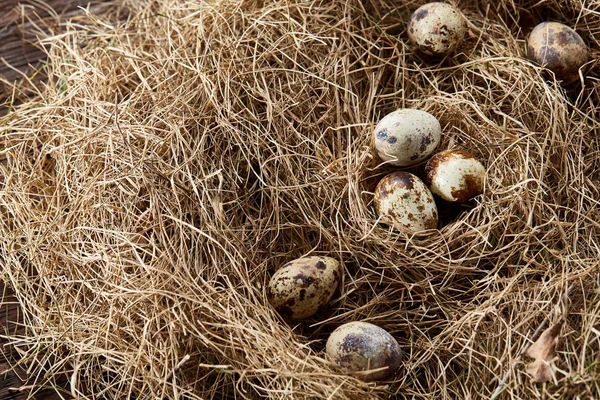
[(437, 28), (559, 48), (403, 201), (300, 287), (454, 175), (361, 347), (406, 136)]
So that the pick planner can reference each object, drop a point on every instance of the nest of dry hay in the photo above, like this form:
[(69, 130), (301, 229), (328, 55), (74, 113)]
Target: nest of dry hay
[(172, 162)]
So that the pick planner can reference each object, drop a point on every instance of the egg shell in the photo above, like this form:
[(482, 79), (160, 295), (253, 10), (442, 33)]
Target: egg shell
[(455, 175), (403, 201), (437, 28), (406, 136), (362, 346), (301, 286), (559, 48)]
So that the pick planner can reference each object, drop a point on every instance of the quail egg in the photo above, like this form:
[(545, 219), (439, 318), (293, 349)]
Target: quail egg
[(454, 175), (437, 28), (403, 201), (559, 48), (300, 287), (406, 136), (361, 347)]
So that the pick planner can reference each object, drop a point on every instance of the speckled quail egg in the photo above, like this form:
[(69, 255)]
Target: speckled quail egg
[(361, 346), (301, 286), (403, 201), (437, 28), (454, 175), (406, 136), (559, 48)]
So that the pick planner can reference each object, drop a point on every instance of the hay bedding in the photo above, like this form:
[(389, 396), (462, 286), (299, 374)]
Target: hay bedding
[(172, 163)]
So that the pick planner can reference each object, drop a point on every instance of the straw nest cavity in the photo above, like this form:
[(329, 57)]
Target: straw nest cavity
[(181, 151)]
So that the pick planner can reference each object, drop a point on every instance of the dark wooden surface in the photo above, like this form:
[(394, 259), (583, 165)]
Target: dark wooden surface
[(17, 34), (11, 383), (19, 55)]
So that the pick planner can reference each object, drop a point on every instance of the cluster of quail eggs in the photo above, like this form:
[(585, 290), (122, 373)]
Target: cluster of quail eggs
[(404, 138)]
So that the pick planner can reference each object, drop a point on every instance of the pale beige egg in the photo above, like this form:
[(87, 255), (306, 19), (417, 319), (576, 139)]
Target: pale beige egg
[(364, 350), (406, 136), (454, 175), (403, 201), (437, 28), (299, 288), (559, 48)]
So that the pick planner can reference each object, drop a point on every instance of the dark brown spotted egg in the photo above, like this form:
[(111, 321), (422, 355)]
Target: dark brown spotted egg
[(559, 48), (406, 136), (365, 350), (454, 175), (403, 201), (301, 286), (437, 28)]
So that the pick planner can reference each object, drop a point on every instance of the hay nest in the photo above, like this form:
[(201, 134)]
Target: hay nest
[(172, 162)]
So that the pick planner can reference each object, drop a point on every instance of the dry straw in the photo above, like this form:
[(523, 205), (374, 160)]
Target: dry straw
[(181, 151)]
